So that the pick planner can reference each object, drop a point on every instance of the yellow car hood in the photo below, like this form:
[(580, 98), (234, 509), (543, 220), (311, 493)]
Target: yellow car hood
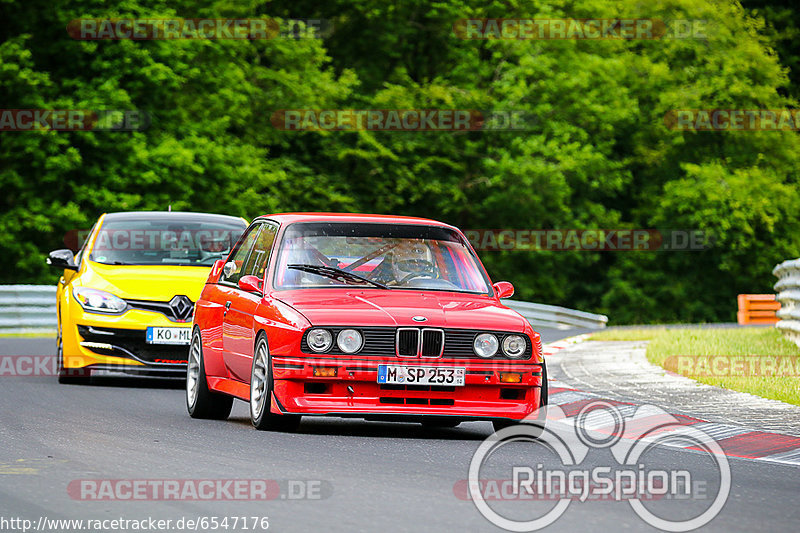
[(144, 282)]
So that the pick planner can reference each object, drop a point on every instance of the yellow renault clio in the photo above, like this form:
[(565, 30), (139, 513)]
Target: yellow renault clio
[(126, 300)]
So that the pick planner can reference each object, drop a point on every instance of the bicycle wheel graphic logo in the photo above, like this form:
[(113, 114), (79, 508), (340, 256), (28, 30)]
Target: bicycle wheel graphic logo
[(630, 435)]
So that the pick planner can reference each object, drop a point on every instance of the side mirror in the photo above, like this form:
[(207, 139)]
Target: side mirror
[(229, 268), (503, 289), (62, 259), (250, 284)]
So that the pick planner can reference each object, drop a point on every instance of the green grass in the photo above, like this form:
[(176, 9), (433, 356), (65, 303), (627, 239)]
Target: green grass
[(732, 358), (30, 335), (626, 334)]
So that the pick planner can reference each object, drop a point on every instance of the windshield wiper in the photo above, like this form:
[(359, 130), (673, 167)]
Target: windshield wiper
[(115, 262), (335, 273)]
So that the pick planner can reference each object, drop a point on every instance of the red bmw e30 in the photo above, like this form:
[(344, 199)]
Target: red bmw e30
[(368, 316)]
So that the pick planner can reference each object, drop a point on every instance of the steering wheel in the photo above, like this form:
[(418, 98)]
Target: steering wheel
[(418, 268)]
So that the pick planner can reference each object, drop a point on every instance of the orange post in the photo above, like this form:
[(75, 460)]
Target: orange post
[(757, 309)]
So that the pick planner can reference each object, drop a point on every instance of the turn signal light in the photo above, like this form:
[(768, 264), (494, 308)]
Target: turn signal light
[(510, 377), (325, 371)]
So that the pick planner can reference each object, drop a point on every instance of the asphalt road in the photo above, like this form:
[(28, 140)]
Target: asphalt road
[(364, 476)]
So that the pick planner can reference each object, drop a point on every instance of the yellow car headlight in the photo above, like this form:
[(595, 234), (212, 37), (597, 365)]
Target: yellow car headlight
[(97, 301)]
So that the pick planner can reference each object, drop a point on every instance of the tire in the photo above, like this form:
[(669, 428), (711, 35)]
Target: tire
[(544, 395), (201, 402), (69, 376), (542, 418), (261, 388)]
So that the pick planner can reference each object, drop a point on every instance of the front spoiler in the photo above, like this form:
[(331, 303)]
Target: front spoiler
[(98, 370)]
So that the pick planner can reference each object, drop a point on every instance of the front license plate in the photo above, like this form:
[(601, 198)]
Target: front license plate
[(421, 375), (168, 335)]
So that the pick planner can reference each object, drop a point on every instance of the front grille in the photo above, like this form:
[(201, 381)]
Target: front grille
[(179, 309), (423, 388), (407, 342), (404, 342), (133, 343), (417, 401), (432, 343)]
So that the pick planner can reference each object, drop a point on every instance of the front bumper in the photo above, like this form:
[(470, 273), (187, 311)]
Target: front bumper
[(354, 391), (117, 343)]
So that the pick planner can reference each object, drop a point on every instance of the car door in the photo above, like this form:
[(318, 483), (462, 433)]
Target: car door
[(238, 324), (229, 295)]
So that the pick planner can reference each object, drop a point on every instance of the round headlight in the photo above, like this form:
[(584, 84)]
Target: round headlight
[(514, 346), (349, 340), (319, 340), (485, 345)]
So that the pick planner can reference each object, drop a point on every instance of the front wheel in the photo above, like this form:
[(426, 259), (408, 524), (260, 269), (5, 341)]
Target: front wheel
[(69, 376), (201, 402), (261, 387)]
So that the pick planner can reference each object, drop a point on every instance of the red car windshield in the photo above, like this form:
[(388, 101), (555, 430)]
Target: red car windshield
[(399, 256)]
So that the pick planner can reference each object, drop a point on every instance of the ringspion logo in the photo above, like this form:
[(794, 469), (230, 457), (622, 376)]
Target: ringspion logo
[(515, 491), (580, 29)]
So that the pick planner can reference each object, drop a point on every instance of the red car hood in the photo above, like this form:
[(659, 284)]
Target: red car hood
[(337, 307)]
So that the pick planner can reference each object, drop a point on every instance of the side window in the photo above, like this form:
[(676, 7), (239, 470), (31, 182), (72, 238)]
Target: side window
[(239, 258), (259, 258)]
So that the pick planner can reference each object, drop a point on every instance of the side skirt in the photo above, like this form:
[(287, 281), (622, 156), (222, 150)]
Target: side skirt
[(231, 387)]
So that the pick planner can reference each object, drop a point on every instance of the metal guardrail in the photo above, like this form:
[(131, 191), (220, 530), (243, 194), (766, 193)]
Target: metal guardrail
[(32, 308), (27, 308), (553, 316), (788, 289)]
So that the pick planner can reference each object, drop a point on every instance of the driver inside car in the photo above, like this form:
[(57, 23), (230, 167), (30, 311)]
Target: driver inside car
[(214, 247), (407, 261)]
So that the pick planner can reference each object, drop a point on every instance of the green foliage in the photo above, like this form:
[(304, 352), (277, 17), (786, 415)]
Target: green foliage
[(782, 26), (599, 154)]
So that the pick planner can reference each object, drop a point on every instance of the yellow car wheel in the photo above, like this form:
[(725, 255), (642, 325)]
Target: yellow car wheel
[(72, 376)]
